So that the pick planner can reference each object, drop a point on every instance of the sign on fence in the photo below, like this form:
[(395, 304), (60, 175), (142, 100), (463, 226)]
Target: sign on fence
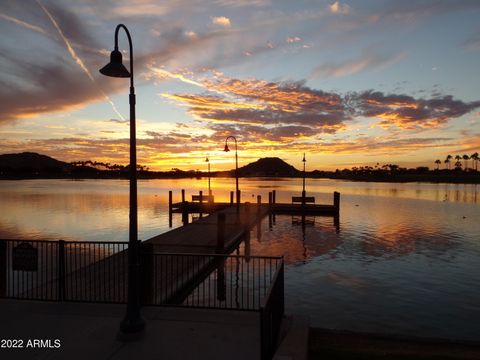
[(25, 257)]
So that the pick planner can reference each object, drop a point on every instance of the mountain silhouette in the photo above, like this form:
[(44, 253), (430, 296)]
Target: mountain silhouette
[(31, 161), (270, 166)]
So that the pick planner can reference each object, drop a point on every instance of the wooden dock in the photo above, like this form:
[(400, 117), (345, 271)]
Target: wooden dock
[(220, 231), (301, 205)]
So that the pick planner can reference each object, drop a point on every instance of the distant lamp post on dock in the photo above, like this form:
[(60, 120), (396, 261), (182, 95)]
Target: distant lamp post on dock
[(303, 191), (133, 323), (236, 166), (207, 160)]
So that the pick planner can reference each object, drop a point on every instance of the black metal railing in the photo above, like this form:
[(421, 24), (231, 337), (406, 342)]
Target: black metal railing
[(271, 314), (63, 270), (208, 280)]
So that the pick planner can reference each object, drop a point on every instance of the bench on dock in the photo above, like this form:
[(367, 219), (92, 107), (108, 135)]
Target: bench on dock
[(301, 200), (202, 198)]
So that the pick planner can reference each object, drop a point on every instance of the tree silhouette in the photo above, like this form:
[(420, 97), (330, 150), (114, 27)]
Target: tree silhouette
[(448, 160), (475, 159), (466, 157), (438, 162), (447, 163)]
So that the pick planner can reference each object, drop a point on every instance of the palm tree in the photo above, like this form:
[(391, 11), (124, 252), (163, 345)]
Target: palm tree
[(448, 160), (466, 157), (475, 159), (457, 158), (458, 165), (438, 162), (447, 163)]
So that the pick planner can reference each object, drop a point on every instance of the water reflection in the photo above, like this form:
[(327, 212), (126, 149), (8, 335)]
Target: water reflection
[(401, 258)]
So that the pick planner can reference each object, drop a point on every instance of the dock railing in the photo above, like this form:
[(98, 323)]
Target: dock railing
[(63, 270), (97, 272), (272, 310), (216, 281)]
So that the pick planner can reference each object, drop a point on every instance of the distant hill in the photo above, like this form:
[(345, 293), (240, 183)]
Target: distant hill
[(30, 161), (271, 166)]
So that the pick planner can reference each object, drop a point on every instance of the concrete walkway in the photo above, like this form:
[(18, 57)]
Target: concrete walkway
[(88, 332)]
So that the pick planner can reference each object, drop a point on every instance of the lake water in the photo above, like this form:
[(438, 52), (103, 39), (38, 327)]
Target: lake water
[(404, 260)]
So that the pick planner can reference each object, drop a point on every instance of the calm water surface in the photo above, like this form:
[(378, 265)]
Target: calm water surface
[(405, 259)]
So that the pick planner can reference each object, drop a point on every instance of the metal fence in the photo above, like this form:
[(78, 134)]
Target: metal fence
[(208, 280), (98, 272), (63, 270)]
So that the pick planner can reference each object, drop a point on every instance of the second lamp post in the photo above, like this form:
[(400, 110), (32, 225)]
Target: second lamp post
[(237, 191)]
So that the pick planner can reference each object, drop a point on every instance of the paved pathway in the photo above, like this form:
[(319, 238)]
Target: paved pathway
[(88, 332)]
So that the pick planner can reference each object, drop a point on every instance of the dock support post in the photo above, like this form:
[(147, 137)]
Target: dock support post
[(270, 198), (220, 232), (184, 216), (183, 195), (146, 270), (170, 205), (231, 197), (336, 201), (274, 196), (201, 202), (259, 203), (336, 223), (247, 216), (3, 268), (259, 230)]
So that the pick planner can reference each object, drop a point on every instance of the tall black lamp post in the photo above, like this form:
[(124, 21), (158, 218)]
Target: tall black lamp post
[(133, 323), (236, 166), (303, 191), (207, 160)]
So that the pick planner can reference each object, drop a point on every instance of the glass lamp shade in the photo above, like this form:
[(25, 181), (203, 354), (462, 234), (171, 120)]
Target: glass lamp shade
[(226, 148)]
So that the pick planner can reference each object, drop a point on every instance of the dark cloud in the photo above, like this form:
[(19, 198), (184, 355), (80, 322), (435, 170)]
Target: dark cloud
[(43, 94), (407, 112), (294, 110)]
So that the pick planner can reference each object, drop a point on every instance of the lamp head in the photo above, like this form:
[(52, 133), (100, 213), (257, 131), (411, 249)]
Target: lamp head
[(115, 67), (206, 160), (304, 158), (226, 148)]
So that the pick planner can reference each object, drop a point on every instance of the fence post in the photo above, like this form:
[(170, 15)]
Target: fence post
[(170, 208), (201, 202), (231, 197), (220, 232), (183, 195), (61, 270), (3, 268), (274, 196), (270, 199), (147, 272)]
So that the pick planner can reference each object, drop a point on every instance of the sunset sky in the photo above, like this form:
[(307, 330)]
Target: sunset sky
[(348, 83)]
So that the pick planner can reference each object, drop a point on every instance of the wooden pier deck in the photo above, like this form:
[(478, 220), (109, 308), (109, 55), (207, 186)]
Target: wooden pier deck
[(201, 236)]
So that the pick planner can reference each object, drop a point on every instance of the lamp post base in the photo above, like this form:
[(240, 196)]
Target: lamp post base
[(131, 329)]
